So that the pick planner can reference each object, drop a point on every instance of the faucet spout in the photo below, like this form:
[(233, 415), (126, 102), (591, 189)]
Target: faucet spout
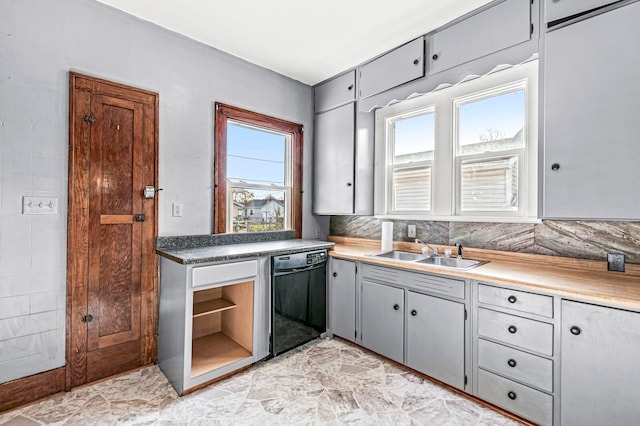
[(459, 250), (426, 248)]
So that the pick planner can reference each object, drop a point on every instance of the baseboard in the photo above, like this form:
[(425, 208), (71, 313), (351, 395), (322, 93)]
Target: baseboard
[(28, 389)]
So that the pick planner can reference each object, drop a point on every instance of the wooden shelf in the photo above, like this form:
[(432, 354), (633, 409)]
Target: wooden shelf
[(214, 351), (211, 306)]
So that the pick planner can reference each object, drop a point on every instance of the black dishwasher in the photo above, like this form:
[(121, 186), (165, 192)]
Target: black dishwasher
[(298, 299)]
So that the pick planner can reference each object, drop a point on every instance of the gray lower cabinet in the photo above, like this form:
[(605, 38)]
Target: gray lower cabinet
[(342, 299), (435, 338), (382, 327), (334, 161), (591, 117), (599, 367)]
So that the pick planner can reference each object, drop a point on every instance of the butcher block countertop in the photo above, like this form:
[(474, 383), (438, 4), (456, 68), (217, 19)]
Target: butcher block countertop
[(585, 280)]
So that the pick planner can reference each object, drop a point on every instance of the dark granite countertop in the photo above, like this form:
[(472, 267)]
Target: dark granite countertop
[(218, 253)]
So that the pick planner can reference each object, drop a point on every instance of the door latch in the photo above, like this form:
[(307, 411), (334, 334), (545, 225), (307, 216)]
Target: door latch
[(140, 217), (87, 318)]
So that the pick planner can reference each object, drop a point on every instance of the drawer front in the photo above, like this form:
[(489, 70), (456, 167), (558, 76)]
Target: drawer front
[(518, 300), (522, 332), (514, 364), (519, 399), (381, 273), (437, 284), (336, 92), (228, 272)]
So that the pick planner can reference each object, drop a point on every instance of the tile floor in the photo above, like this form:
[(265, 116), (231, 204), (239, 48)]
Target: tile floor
[(325, 382)]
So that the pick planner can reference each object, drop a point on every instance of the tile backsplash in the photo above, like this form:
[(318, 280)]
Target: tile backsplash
[(579, 239)]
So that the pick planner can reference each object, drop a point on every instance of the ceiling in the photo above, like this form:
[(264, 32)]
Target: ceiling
[(307, 40)]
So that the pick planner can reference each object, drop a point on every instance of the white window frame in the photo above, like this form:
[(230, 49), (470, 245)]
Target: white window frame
[(445, 197)]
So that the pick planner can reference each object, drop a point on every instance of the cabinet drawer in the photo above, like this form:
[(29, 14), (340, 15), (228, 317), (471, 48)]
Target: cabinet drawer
[(519, 399), (514, 364), (224, 273), (336, 92), (518, 300), (522, 332)]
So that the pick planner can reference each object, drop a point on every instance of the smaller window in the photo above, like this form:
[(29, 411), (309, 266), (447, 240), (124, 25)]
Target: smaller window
[(410, 161)]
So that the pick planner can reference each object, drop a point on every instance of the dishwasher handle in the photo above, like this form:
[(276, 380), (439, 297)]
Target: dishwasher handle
[(278, 272)]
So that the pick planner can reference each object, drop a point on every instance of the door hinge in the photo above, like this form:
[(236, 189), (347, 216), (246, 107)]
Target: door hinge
[(356, 269), (355, 334), (465, 314), (89, 119), (465, 380), (87, 318), (531, 30)]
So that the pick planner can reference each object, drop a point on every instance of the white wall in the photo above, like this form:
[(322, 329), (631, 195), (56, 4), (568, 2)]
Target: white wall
[(40, 41)]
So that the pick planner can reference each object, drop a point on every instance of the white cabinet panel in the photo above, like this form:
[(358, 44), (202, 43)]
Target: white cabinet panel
[(334, 161), (558, 9), (338, 91), (494, 29), (592, 130), (399, 66)]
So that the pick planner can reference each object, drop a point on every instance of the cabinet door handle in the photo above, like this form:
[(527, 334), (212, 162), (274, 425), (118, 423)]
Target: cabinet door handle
[(512, 299), (512, 395), (434, 57), (575, 330), (414, 312), (335, 274), (350, 87), (396, 307), (512, 329), (555, 167), (416, 61), (349, 183), (512, 363)]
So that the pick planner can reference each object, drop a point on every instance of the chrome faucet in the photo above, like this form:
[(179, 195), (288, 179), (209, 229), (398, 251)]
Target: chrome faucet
[(425, 249)]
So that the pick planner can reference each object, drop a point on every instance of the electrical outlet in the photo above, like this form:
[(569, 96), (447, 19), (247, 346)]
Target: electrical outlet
[(177, 210), (411, 231), (615, 262)]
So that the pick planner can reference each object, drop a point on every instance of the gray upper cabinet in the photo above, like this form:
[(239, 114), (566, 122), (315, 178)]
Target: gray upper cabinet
[(435, 338), (399, 66), (382, 328), (334, 161), (335, 92), (599, 367), (592, 130), (342, 298), (558, 9), (491, 30)]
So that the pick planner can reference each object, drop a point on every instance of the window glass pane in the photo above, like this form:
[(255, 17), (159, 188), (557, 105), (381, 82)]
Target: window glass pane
[(492, 124), (414, 138), (411, 189), (489, 184), (255, 156), (256, 210)]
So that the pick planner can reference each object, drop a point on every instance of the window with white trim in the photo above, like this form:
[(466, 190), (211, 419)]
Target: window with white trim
[(466, 152)]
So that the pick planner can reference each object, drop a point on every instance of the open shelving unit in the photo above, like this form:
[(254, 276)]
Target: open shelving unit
[(222, 331)]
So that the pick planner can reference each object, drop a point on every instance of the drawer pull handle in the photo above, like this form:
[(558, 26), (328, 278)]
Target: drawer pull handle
[(512, 329), (512, 299), (396, 307), (512, 363), (512, 395), (575, 330), (414, 312)]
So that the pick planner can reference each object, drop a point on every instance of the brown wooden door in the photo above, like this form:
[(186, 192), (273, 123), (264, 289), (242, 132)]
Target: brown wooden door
[(112, 283)]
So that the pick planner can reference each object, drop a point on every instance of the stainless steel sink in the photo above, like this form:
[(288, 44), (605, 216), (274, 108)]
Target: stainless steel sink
[(450, 262), (399, 255)]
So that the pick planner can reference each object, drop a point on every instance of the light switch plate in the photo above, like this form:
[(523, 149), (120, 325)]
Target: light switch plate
[(411, 231), (39, 205)]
